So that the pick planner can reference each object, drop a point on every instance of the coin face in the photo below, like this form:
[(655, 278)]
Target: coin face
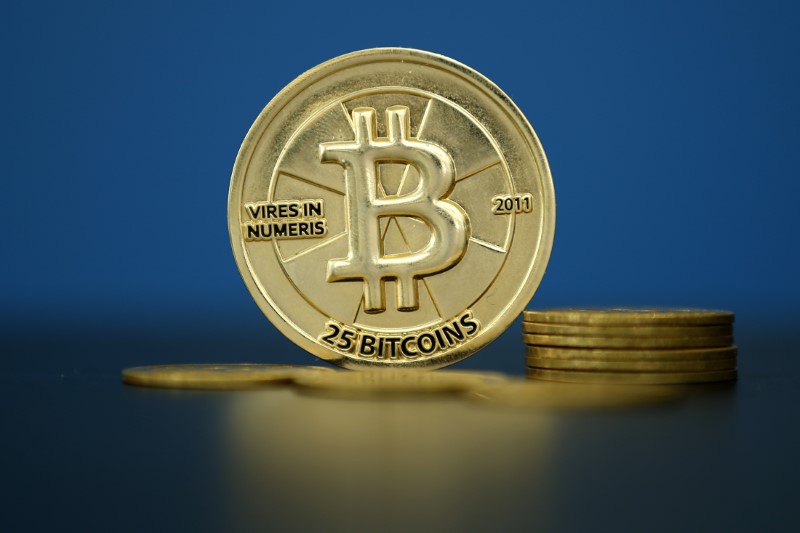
[(211, 376), (391, 207)]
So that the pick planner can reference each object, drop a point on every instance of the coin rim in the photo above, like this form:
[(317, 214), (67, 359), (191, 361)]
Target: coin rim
[(174, 376), (627, 354), (451, 381), (535, 272), (632, 378), (632, 343), (632, 316), (633, 331), (551, 395), (634, 366)]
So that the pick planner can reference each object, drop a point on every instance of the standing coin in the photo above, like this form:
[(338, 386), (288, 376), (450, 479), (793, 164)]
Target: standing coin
[(391, 207)]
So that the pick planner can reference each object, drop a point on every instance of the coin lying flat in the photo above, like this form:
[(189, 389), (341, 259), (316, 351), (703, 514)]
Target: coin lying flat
[(632, 378), (626, 342), (627, 331), (701, 354), (211, 376), (550, 395), (627, 317), (632, 366), (370, 189), (398, 381)]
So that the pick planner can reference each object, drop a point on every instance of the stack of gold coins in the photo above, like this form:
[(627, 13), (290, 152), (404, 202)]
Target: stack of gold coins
[(647, 346)]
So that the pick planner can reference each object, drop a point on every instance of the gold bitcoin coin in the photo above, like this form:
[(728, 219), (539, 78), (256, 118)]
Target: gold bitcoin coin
[(531, 394), (632, 366), (628, 317), (627, 331), (210, 376), (627, 342), (632, 378), (399, 381), (590, 354), (391, 207)]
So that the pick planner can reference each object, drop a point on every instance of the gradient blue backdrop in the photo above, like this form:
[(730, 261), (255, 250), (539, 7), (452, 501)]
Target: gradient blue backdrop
[(671, 129)]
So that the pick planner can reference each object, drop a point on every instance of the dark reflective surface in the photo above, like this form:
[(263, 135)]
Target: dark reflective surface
[(82, 451)]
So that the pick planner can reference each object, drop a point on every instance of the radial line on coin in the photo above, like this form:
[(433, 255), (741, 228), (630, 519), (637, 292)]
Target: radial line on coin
[(424, 282), (488, 245), (358, 309), (408, 247), (478, 171), (313, 183), (419, 132), (347, 115), (317, 246), (392, 219)]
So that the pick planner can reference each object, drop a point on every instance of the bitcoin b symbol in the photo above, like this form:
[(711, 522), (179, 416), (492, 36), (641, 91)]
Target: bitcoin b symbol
[(448, 222)]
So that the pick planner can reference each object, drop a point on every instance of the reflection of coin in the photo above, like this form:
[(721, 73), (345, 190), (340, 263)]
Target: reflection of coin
[(223, 376), (701, 354), (399, 381), (627, 317), (632, 366), (632, 378), (627, 342), (627, 331), (549, 395), (391, 207)]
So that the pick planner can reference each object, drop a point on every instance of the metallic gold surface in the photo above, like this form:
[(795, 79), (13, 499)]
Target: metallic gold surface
[(534, 394), (629, 317), (391, 208), (700, 354), (632, 366), (211, 376), (632, 378), (626, 342), (627, 331), (398, 382)]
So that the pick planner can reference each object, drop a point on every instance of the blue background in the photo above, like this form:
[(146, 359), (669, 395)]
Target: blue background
[(671, 130)]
